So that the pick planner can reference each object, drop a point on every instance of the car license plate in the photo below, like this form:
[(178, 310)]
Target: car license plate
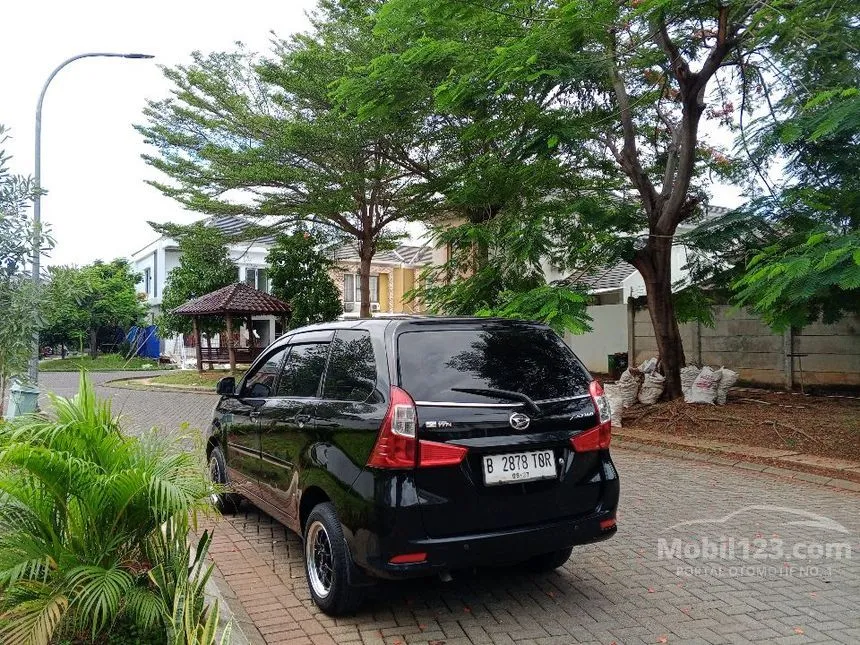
[(519, 467)]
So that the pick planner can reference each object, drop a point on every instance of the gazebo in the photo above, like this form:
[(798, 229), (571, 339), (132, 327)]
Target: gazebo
[(237, 300)]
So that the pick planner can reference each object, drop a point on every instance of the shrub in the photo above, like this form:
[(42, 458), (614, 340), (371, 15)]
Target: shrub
[(94, 527)]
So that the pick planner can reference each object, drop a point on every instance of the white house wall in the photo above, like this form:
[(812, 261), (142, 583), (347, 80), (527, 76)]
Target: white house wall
[(608, 336)]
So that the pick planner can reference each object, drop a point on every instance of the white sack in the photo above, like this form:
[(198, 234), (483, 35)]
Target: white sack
[(629, 385), (652, 388), (616, 403), (648, 366), (728, 379), (688, 377), (705, 386)]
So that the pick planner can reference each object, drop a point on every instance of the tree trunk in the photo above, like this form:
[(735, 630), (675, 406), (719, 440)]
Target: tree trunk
[(655, 264), (2, 396), (365, 252), (94, 343)]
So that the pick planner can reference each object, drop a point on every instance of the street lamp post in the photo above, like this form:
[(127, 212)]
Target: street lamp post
[(37, 200)]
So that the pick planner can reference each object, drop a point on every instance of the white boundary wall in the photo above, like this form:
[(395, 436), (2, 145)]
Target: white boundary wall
[(608, 336)]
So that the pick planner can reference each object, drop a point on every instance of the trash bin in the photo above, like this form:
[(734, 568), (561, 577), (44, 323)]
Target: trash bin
[(617, 364), (23, 399)]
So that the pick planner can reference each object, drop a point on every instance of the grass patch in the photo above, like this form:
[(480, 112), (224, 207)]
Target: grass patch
[(103, 363), (193, 378)]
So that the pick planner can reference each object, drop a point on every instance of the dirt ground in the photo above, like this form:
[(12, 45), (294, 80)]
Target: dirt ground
[(817, 425)]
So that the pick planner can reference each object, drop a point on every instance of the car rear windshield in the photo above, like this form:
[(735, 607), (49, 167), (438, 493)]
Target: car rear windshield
[(436, 365)]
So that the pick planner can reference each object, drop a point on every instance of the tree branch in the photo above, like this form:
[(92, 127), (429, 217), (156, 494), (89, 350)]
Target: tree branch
[(629, 156)]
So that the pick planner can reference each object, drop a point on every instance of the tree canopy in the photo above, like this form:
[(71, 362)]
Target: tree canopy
[(532, 135), (98, 301), (204, 266), (260, 137), (299, 271), (618, 94)]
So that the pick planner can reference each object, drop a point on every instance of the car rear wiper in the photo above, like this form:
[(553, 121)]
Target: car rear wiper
[(505, 394)]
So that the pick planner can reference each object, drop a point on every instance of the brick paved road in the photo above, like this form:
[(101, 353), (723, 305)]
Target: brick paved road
[(616, 591), (141, 409)]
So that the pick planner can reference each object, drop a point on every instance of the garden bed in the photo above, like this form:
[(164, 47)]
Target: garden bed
[(815, 425)]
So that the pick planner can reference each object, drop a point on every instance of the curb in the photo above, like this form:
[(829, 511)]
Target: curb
[(730, 459), (121, 384)]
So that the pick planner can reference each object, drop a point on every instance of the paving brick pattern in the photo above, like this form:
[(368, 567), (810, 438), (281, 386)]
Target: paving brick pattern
[(616, 591)]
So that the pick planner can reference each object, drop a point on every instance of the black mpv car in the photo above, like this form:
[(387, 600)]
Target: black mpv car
[(413, 446)]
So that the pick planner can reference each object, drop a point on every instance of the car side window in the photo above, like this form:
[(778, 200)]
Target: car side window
[(303, 370), (260, 384), (351, 374)]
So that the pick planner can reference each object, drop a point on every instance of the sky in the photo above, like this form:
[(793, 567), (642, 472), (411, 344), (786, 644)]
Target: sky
[(97, 203)]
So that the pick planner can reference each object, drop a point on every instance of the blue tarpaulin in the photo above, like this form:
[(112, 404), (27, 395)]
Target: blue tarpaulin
[(145, 341)]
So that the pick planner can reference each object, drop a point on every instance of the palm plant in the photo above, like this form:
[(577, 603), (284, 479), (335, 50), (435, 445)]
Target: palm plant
[(84, 515)]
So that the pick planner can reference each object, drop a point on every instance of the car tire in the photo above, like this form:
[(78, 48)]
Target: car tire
[(226, 503), (328, 563), (551, 560)]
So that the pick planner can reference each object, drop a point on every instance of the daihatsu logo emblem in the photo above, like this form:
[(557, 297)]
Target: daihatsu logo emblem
[(519, 421)]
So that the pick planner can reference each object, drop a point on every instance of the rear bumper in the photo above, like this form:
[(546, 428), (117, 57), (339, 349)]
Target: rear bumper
[(393, 526), (495, 548)]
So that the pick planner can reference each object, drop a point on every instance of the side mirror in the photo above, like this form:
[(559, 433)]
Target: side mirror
[(226, 386)]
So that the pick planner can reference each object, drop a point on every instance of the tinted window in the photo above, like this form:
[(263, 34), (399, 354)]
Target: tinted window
[(534, 362), (351, 374), (261, 382), (303, 370)]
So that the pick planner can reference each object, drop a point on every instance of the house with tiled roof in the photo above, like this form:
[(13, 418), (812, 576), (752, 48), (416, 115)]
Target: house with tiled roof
[(393, 272)]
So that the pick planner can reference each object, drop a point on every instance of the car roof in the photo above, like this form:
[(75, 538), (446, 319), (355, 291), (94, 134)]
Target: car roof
[(379, 323)]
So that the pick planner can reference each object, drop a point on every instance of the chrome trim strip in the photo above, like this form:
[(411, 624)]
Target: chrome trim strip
[(512, 404), (455, 404), (565, 398)]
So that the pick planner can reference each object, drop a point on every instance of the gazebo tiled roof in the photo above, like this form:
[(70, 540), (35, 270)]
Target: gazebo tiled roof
[(237, 299)]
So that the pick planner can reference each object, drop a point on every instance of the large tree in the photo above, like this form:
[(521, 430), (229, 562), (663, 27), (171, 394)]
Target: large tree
[(299, 271), (262, 138), (488, 153), (97, 301), (204, 266), (631, 84)]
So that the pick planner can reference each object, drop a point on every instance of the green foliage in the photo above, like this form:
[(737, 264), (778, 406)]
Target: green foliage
[(204, 266), (20, 305), (300, 275), (558, 306), (91, 302), (791, 287), (87, 516), (787, 252), (693, 304), (524, 104), (260, 137)]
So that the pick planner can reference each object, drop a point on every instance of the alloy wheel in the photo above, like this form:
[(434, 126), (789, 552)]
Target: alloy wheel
[(319, 559)]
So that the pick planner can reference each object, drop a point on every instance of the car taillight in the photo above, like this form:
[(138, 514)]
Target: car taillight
[(396, 443), (598, 437), (432, 453)]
